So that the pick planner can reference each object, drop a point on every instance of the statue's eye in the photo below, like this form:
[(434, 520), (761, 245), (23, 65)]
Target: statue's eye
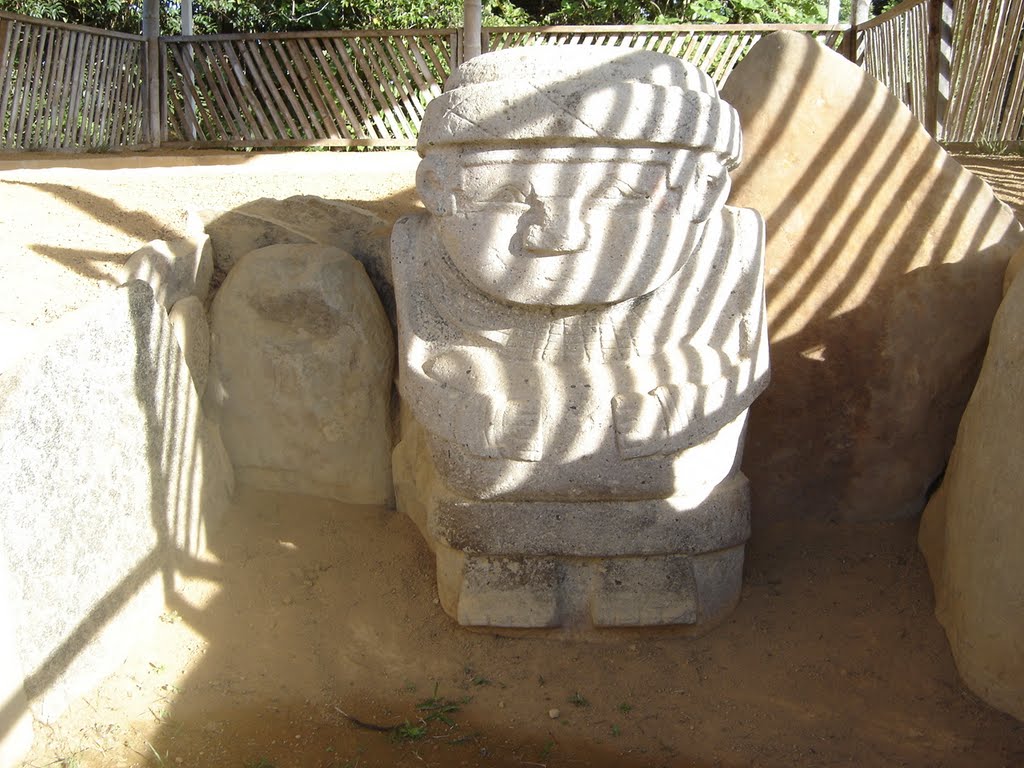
[(620, 191), (508, 194)]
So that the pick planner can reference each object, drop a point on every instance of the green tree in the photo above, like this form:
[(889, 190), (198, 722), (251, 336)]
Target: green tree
[(218, 16)]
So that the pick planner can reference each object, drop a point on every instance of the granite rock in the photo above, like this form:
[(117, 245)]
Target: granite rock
[(192, 332), (110, 478), (883, 271), (301, 374), (972, 531), (174, 269)]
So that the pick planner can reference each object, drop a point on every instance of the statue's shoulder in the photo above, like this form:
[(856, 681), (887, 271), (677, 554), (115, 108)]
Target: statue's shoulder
[(412, 241), (744, 227)]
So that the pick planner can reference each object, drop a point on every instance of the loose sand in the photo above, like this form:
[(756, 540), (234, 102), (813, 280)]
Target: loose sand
[(317, 625)]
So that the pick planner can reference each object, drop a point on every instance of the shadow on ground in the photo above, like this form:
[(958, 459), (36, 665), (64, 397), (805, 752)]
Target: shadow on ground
[(323, 645)]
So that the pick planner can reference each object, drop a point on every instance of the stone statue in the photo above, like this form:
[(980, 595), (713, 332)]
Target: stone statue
[(581, 331)]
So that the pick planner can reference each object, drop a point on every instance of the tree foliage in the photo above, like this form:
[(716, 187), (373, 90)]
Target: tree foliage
[(216, 16)]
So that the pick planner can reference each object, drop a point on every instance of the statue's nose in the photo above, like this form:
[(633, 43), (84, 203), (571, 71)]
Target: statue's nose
[(555, 227)]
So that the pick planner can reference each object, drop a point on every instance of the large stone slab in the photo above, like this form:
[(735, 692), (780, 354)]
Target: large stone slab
[(883, 271), (581, 332), (972, 531), (301, 374), (109, 478)]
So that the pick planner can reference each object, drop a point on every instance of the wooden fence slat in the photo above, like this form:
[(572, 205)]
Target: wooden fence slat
[(66, 94), (276, 56), (119, 121), (36, 94), (369, 122), (404, 113), (1013, 120), (235, 96), (1010, 122), (440, 65), (385, 107), (6, 59), (57, 96), (1002, 61), (264, 84), (963, 64), (192, 115), (334, 120), (88, 86), (205, 69), (983, 70), (187, 113), (315, 108), (100, 111), (13, 138), (400, 87), (253, 103), (333, 86)]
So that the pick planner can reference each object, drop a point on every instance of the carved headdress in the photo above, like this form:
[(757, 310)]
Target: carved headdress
[(564, 95)]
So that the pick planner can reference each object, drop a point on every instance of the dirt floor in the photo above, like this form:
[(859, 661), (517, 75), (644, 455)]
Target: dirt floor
[(314, 638)]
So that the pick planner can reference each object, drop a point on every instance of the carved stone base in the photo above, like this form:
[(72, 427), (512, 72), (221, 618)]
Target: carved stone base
[(543, 564)]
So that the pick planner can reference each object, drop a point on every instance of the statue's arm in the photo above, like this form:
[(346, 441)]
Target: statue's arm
[(459, 394)]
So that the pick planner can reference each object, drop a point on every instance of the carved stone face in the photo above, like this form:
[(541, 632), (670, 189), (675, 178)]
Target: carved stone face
[(570, 226)]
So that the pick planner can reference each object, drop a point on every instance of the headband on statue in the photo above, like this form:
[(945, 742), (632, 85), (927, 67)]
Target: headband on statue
[(554, 95)]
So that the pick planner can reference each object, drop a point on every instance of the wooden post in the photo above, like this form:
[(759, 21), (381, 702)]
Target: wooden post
[(186, 17), (151, 31), (860, 11), (473, 31), (3, 47), (833, 11), (940, 54)]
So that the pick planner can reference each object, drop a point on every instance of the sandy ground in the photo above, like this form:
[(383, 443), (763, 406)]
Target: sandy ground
[(314, 639)]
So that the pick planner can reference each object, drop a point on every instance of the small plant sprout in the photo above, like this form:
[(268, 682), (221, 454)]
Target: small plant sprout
[(577, 700), (625, 708)]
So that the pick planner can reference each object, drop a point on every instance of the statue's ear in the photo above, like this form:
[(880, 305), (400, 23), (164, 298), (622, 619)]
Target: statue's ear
[(433, 182), (711, 187)]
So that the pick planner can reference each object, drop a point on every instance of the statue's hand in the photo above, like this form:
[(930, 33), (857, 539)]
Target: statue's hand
[(521, 431), (640, 425)]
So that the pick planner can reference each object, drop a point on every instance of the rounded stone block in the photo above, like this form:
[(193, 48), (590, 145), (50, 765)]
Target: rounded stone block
[(301, 374)]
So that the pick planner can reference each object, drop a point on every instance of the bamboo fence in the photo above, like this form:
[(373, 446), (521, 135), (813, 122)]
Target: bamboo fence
[(894, 48), (67, 87), (987, 103), (72, 88), (302, 89), (716, 49)]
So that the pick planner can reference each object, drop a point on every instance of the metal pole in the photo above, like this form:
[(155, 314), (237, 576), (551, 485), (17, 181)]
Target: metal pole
[(833, 11), (473, 26)]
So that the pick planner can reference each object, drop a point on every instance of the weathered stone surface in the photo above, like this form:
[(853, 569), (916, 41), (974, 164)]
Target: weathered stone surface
[(15, 715), (109, 478), (301, 374), (192, 331), (174, 269), (303, 219), (883, 271), (972, 532), (581, 333)]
